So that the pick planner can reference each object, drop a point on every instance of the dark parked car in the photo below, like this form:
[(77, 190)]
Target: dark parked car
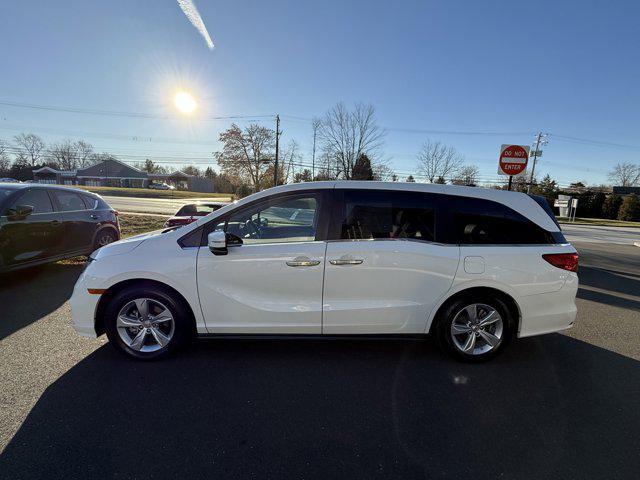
[(191, 212), (45, 223)]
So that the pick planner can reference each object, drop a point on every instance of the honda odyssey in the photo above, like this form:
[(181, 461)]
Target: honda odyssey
[(473, 267)]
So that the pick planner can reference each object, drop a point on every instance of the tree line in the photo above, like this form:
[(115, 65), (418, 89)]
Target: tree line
[(350, 146)]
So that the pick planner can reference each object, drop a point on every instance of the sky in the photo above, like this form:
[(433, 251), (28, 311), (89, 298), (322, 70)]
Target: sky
[(473, 75)]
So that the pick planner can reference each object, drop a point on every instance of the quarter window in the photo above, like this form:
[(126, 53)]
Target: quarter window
[(289, 219), (478, 221), (387, 215)]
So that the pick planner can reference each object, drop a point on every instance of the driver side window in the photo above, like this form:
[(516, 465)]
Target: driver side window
[(288, 219)]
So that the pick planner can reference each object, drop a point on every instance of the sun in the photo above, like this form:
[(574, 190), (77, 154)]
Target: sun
[(184, 102)]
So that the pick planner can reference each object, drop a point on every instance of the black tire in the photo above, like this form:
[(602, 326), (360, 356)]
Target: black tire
[(446, 317), (104, 237), (182, 329)]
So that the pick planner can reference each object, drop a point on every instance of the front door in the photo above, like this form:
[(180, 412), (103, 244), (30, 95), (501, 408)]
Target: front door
[(34, 237), (272, 283), (384, 271)]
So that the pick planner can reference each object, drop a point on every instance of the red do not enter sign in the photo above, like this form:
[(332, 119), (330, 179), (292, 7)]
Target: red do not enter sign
[(513, 159)]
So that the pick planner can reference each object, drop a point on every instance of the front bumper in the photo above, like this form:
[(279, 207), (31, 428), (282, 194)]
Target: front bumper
[(83, 308)]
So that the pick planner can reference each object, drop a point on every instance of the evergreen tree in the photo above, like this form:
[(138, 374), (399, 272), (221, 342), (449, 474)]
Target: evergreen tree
[(362, 169), (548, 188), (611, 206), (410, 179), (597, 204), (630, 209)]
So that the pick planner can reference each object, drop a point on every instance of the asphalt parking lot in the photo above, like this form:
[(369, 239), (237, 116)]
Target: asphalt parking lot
[(556, 406)]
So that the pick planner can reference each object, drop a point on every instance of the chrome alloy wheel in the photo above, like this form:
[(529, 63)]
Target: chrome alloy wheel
[(477, 329), (145, 325)]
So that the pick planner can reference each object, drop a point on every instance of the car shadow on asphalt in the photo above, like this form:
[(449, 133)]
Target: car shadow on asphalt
[(549, 407), (28, 295), (611, 285)]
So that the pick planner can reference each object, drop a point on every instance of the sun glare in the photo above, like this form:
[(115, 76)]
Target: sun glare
[(185, 102)]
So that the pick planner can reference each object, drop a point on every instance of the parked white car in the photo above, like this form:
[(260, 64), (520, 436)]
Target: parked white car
[(161, 186), (475, 267)]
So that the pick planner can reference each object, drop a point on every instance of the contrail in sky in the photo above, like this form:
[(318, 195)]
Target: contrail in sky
[(194, 17)]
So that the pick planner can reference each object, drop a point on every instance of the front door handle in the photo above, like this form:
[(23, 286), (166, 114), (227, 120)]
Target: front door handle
[(303, 262), (346, 261), (93, 216), (56, 223)]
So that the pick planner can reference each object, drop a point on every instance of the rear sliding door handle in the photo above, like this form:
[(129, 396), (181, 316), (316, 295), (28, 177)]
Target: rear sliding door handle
[(346, 261), (303, 262)]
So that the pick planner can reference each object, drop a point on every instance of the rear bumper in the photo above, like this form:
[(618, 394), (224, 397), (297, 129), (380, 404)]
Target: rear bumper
[(83, 308), (549, 312)]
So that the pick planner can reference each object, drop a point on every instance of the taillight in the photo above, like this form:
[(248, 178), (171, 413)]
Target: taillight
[(565, 261), (115, 212)]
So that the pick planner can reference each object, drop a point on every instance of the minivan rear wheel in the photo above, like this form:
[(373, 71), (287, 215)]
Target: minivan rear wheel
[(475, 329), (146, 323)]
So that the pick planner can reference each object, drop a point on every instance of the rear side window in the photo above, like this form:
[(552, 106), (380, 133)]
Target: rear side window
[(36, 198), (90, 202), (379, 214), (483, 222), (68, 201)]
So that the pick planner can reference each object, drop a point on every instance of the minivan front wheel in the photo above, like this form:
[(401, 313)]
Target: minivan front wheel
[(145, 323), (475, 329)]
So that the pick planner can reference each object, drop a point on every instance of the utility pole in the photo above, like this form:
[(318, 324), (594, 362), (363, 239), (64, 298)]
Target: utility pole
[(313, 156), (315, 126), (275, 172), (539, 140)]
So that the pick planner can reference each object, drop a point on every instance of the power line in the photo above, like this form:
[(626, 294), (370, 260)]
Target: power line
[(589, 141), (114, 113)]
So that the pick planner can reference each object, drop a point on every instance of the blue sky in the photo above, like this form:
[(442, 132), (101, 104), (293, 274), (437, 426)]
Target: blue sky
[(568, 68)]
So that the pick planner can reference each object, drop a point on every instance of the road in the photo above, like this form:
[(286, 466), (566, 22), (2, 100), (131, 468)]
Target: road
[(596, 234), (556, 406), (162, 206)]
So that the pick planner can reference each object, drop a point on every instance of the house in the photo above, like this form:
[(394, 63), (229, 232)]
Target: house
[(114, 173), (624, 191)]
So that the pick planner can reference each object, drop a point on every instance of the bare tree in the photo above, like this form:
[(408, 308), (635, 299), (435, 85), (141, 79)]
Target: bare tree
[(382, 171), (625, 175), (64, 155), (31, 148), (84, 153), (345, 135), (5, 161), (247, 153), (467, 175), (291, 158), (438, 160)]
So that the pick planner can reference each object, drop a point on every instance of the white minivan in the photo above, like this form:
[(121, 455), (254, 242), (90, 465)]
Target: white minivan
[(474, 267)]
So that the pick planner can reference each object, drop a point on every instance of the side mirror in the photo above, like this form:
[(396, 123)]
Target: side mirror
[(217, 242), (19, 212)]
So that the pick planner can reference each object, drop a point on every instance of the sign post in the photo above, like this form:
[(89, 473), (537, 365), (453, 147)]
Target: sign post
[(513, 161)]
